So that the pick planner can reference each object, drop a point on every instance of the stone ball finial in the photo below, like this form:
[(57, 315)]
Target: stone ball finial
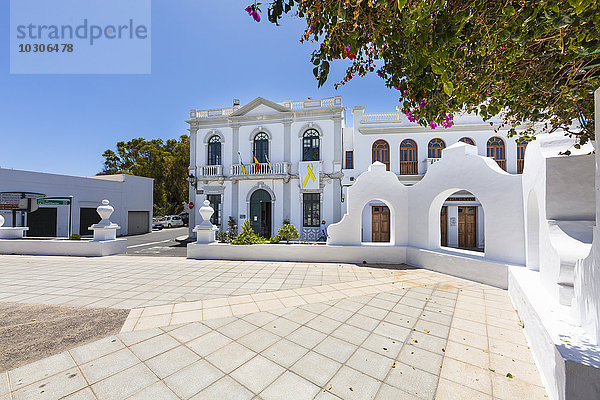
[(206, 211), (105, 211), (1, 220)]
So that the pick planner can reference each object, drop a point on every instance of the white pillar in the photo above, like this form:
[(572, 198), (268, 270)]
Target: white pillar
[(452, 226)]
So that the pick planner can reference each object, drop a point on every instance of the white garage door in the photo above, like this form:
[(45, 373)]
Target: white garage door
[(137, 222)]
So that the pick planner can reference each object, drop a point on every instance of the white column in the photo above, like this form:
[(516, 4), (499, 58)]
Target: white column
[(452, 226)]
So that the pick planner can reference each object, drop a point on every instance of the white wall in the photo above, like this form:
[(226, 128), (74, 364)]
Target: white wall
[(125, 193)]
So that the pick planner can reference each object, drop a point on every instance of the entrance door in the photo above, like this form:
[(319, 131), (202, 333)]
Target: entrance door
[(138, 222), (42, 223), (87, 217), (444, 226), (260, 213), (380, 224), (467, 227)]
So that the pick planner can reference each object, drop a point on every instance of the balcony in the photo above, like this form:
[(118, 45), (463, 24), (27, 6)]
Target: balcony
[(210, 171), (409, 168), (520, 165), (262, 169)]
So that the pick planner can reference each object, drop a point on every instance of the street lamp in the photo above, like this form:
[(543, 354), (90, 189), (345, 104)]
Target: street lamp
[(193, 181)]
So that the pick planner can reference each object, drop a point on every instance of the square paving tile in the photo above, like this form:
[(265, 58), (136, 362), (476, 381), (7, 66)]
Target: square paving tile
[(224, 389), (290, 386), (257, 374), (230, 356), (351, 384), (192, 379), (171, 361), (125, 383)]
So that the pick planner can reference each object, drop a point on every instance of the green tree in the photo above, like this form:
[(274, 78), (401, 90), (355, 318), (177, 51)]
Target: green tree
[(525, 61), (166, 162), (247, 235), (288, 232)]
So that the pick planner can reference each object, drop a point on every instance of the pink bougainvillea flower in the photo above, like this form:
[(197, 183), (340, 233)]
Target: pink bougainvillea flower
[(422, 104), (432, 125), (251, 10)]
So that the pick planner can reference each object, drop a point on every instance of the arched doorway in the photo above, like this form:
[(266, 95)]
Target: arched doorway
[(495, 150), (260, 213), (376, 225), (462, 222)]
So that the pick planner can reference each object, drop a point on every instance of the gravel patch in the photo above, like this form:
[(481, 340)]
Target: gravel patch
[(30, 332)]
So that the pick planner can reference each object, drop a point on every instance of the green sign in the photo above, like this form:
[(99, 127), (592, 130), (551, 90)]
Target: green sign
[(54, 202)]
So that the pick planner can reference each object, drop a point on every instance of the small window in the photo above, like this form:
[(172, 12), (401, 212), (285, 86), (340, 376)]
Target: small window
[(311, 209), (214, 150), (467, 140), (349, 160), (310, 145), (521, 147)]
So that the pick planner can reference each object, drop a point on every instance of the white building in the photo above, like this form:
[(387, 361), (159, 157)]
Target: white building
[(283, 136), (67, 204)]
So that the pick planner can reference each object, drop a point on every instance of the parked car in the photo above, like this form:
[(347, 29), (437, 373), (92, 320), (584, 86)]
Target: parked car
[(185, 217), (156, 224), (171, 221)]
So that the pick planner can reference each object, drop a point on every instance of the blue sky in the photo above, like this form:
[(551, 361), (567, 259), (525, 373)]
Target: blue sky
[(204, 54)]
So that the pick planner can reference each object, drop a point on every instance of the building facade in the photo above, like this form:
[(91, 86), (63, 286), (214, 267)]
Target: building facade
[(251, 162), (67, 204)]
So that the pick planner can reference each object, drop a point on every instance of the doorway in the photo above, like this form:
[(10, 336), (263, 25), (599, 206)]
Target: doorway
[(467, 227), (42, 223), (260, 213), (380, 224)]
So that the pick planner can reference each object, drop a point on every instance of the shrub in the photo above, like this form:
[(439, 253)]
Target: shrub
[(75, 236), (247, 235), (232, 226), (288, 232), (274, 239)]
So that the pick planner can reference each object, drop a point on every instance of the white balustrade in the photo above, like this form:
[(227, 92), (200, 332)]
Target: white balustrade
[(277, 168), (381, 117), (210, 170)]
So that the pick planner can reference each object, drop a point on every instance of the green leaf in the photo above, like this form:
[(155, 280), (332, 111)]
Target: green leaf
[(438, 70), (401, 4), (448, 88), (508, 10)]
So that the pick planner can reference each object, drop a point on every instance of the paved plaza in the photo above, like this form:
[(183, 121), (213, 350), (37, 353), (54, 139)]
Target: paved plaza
[(263, 330)]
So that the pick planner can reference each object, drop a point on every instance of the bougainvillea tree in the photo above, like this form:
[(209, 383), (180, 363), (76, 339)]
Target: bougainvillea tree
[(536, 61)]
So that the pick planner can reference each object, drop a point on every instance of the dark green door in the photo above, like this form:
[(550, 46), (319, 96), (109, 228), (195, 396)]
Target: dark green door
[(42, 223), (260, 213)]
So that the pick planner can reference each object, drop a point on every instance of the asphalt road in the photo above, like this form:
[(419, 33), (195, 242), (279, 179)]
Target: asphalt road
[(158, 243)]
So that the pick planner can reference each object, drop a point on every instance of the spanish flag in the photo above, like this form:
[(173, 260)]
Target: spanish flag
[(257, 163)]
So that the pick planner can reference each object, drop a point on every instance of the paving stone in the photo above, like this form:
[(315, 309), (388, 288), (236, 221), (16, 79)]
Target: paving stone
[(230, 357), (259, 340), (204, 345), (93, 350), (412, 380), (4, 387), (505, 388), (448, 390), (171, 361), (350, 334), (108, 365), (237, 329), (306, 337), (83, 394), (281, 326), (370, 363), (39, 370), (189, 332), (257, 373), (125, 383), (290, 386), (387, 392), (154, 346), (224, 389), (284, 352), (351, 384), (52, 387), (422, 359), (192, 379), (156, 391), (336, 349), (467, 375)]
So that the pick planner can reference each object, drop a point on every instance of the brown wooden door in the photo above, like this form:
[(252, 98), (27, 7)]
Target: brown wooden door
[(444, 226), (467, 227), (380, 224)]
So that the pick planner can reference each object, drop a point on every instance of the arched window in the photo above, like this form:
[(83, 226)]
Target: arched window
[(381, 152), (214, 150), (467, 140), (521, 146), (408, 157), (495, 149), (261, 147), (310, 145), (434, 150)]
